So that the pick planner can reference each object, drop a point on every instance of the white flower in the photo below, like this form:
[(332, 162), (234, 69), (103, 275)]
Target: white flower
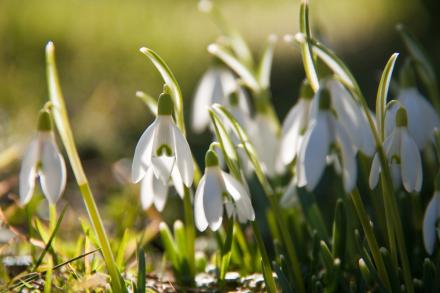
[(403, 157), (352, 117), (163, 149), (262, 131), (432, 214), (217, 188), (216, 85), (153, 190), (326, 139), (43, 159), (295, 126), (290, 195), (422, 118)]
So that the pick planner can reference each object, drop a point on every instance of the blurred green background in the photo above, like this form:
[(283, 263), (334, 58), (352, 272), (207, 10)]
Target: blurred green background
[(100, 67)]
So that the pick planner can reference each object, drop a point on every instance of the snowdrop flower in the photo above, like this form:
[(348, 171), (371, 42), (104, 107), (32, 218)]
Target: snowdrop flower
[(295, 125), (263, 133), (43, 159), (325, 139), (290, 196), (217, 188), (432, 215), (403, 157), (153, 190), (216, 85), (163, 149), (422, 118), (352, 117)]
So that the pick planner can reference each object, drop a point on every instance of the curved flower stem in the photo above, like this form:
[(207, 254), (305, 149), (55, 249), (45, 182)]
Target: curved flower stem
[(371, 239), (65, 131)]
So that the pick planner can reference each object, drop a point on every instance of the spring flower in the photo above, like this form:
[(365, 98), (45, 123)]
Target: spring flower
[(153, 190), (432, 214), (422, 118), (263, 133), (403, 157), (352, 117), (163, 149), (217, 188), (325, 140), (216, 85), (43, 159), (295, 126)]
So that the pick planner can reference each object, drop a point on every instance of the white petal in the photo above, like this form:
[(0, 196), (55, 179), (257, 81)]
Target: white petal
[(177, 182), (349, 168), (162, 167), (153, 190), (199, 211), (291, 134), (142, 153), (266, 142), (390, 119), (213, 198), (411, 164), (28, 172), (374, 173), (316, 144), (422, 118), (53, 170), (184, 159), (351, 117), (241, 197), (202, 100), (429, 223)]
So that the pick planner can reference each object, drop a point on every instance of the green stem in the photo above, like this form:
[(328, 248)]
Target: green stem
[(226, 251), (190, 231), (288, 244), (371, 239), (65, 131), (267, 268), (52, 216)]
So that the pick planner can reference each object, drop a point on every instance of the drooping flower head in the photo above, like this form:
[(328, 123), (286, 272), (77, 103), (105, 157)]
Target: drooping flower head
[(295, 125), (402, 155), (217, 189), (326, 141), (422, 118), (216, 86), (163, 149), (43, 159), (430, 220)]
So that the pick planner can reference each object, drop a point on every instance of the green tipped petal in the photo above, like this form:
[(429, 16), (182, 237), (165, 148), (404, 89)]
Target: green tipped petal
[(211, 159), (306, 91), (324, 99), (165, 105), (401, 118), (45, 121)]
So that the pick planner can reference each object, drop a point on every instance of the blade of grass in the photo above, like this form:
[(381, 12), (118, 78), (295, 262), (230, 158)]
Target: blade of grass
[(51, 238)]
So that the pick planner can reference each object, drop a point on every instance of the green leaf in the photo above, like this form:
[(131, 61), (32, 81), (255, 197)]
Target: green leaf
[(149, 101), (121, 250), (332, 61), (170, 80), (52, 237), (227, 147), (265, 65), (141, 284), (339, 230), (243, 72), (306, 51), (382, 93), (170, 246)]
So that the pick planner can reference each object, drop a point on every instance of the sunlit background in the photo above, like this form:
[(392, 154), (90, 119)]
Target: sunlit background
[(101, 68)]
